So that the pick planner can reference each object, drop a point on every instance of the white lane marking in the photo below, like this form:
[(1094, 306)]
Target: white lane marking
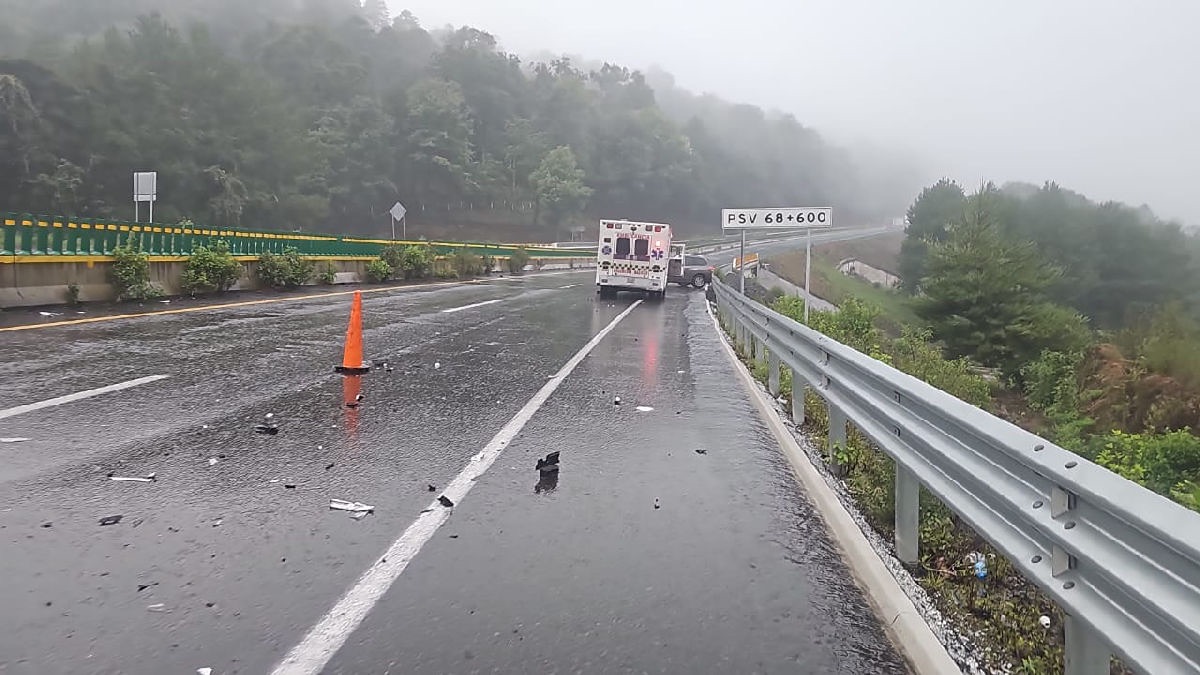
[(567, 286), (472, 306), (79, 396), (332, 631)]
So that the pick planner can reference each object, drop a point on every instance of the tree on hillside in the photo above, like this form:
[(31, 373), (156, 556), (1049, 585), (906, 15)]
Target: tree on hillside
[(984, 295), (376, 13), (559, 188), (439, 140), (928, 218)]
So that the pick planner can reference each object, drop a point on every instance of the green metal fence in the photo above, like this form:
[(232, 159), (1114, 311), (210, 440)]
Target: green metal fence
[(23, 234)]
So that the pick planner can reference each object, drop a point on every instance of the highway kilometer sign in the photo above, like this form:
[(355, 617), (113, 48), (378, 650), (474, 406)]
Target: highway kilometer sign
[(802, 217)]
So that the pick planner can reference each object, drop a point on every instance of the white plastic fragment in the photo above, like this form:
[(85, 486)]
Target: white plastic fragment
[(437, 365), (13, 440), (343, 505), (645, 408), (212, 461), (204, 671), (148, 478), (157, 607), (1044, 620)]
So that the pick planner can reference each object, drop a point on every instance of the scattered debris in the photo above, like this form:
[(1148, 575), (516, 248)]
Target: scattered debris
[(142, 587), (548, 465), (644, 408), (701, 451), (269, 415), (218, 521), (267, 429), (165, 302), (359, 515), (330, 465), (387, 368), (454, 536), (445, 501), (212, 461), (437, 365), (50, 313), (204, 671), (289, 486), (47, 524), (681, 372), (343, 505), (656, 504), (148, 478), (111, 520), (432, 487), (157, 607), (616, 400), (1044, 620), (13, 440)]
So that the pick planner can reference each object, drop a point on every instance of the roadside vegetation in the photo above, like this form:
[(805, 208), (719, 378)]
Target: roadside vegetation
[(1026, 302), (210, 270)]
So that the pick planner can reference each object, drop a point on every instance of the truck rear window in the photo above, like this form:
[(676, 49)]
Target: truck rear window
[(622, 248)]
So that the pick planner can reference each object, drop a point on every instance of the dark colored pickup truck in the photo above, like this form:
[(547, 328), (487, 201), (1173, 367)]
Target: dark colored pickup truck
[(691, 269)]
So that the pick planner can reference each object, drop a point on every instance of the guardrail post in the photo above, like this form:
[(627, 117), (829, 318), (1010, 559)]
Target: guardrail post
[(799, 386), (773, 374), (908, 515), (836, 437), (1084, 653)]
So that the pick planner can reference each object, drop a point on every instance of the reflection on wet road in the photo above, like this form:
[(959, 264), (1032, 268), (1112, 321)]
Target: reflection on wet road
[(640, 554)]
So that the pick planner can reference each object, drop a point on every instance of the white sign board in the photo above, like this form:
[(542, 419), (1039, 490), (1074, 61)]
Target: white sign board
[(398, 211), (789, 218), (145, 186)]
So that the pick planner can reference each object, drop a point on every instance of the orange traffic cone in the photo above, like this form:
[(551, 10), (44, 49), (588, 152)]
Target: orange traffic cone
[(352, 358)]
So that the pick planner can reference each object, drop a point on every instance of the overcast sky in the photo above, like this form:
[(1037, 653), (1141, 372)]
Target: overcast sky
[(1099, 95)]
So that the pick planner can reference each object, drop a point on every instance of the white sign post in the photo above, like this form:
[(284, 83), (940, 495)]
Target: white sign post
[(145, 189), (397, 212), (788, 218)]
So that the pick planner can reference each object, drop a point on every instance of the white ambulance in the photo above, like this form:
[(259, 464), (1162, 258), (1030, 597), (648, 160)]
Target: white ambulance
[(632, 257)]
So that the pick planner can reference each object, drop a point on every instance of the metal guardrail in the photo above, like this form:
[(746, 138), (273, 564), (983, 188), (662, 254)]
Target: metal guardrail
[(23, 234), (1122, 561)]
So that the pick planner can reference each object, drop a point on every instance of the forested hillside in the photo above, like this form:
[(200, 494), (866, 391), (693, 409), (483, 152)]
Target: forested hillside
[(319, 114)]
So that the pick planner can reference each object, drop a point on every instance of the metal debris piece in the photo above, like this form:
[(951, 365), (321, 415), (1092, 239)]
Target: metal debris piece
[(267, 429), (656, 504), (204, 671), (343, 505), (617, 400), (359, 515)]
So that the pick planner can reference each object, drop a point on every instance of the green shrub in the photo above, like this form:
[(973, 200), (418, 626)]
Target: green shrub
[(467, 265), (915, 353), (378, 271), (210, 269), (286, 270), (131, 275), (489, 264), (328, 274), (517, 261), (409, 261), (1161, 462)]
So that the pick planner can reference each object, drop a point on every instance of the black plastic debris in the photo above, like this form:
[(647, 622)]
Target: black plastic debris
[(549, 464), (656, 504), (47, 524), (701, 451), (289, 486), (432, 487), (110, 520), (617, 400), (329, 466), (266, 429), (445, 501)]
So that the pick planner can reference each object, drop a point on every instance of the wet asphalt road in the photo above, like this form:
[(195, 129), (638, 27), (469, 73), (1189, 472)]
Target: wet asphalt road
[(734, 573)]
